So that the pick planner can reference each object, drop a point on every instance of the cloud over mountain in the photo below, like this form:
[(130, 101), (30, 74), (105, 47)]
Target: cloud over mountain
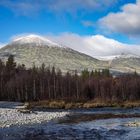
[(96, 45)]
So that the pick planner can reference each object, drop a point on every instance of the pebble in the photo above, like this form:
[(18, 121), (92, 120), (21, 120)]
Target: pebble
[(12, 116)]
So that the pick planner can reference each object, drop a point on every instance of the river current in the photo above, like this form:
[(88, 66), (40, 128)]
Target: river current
[(110, 128)]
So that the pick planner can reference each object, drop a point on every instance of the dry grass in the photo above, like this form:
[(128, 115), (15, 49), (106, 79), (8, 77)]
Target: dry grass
[(131, 104), (57, 104), (60, 104)]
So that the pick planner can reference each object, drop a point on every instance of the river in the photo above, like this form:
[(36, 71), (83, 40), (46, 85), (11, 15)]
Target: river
[(85, 124)]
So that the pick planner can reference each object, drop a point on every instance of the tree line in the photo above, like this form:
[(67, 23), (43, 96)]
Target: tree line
[(17, 83)]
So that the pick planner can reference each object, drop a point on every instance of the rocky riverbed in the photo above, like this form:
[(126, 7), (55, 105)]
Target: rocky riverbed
[(15, 114), (88, 124)]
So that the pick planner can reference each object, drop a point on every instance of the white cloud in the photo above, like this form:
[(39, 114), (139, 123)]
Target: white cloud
[(127, 21), (96, 45)]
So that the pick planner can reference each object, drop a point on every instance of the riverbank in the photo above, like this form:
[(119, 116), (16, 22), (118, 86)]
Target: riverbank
[(80, 124), (61, 104), (12, 113)]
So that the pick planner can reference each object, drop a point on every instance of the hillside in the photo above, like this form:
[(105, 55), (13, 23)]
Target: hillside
[(126, 63), (36, 50)]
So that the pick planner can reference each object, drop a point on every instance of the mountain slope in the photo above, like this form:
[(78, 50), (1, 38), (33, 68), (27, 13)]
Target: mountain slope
[(126, 63), (35, 40), (123, 62), (36, 50)]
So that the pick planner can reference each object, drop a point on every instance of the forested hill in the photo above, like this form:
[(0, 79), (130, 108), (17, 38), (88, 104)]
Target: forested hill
[(20, 84)]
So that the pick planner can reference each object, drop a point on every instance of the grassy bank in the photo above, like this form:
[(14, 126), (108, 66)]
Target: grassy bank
[(60, 104)]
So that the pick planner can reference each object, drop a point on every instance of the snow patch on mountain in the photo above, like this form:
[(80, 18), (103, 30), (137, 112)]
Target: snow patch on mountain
[(34, 39), (129, 56), (112, 57), (106, 58)]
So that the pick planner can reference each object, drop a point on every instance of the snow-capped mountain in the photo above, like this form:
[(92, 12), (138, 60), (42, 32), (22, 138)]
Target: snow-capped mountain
[(112, 57), (34, 40), (129, 56), (126, 63), (123, 62), (34, 49), (107, 58)]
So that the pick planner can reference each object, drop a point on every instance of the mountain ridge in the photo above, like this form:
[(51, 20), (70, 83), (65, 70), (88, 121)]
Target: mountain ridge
[(64, 58), (34, 49), (34, 39)]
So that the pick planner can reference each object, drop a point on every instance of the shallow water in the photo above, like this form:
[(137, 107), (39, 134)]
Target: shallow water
[(102, 129)]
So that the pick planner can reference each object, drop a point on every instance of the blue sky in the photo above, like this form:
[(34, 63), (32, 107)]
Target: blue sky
[(94, 27), (58, 16)]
